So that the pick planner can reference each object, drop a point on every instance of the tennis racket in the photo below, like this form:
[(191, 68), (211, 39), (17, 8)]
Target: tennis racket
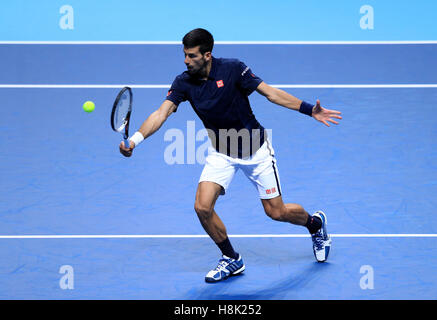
[(120, 115)]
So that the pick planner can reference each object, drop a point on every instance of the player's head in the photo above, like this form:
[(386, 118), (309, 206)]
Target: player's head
[(201, 38), (198, 44)]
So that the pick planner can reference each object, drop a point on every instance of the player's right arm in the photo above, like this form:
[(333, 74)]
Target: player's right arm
[(151, 124)]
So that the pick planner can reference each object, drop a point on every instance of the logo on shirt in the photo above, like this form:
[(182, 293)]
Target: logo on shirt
[(220, 83), (169, 92)]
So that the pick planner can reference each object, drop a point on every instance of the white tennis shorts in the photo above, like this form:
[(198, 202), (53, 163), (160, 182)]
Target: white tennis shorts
[(260, 168)]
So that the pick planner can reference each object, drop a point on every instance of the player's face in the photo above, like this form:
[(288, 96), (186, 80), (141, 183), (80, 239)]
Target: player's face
[(196, 62)]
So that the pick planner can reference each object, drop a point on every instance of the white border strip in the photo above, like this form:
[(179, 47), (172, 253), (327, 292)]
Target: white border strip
[(166, 86), (82, 86), (219, 42), (171, 236)]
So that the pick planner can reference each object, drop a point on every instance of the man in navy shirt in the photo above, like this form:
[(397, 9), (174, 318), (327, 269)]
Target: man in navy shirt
[(218, 91)]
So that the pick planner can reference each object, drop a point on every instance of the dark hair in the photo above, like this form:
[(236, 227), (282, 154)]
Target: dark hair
[(199, 37)]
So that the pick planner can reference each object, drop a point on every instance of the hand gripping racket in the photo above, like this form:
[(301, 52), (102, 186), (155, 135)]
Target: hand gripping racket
[(120, 115)]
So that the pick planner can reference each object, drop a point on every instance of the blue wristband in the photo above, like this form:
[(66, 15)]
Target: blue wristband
[(306, 108)]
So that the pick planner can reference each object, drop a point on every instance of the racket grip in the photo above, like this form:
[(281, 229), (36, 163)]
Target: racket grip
[(127, 143)]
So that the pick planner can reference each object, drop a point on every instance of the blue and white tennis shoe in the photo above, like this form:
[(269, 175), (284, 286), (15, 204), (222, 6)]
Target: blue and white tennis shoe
[(321, 239), (226, 267)]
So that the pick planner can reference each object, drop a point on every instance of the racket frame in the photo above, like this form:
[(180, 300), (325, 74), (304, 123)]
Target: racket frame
[(127, 118)]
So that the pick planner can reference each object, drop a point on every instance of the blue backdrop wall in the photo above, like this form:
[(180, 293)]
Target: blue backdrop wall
[(228, 20)]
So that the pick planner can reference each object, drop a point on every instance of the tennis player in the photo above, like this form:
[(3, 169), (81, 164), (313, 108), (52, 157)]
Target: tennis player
[(218, 91)]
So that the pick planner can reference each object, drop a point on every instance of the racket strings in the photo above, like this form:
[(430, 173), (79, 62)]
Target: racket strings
[(121, 112)]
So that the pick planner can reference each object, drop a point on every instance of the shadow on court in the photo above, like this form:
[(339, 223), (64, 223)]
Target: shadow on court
[(277, 290)]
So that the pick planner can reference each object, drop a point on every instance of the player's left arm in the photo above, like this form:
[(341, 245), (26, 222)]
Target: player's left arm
[(282, 98)]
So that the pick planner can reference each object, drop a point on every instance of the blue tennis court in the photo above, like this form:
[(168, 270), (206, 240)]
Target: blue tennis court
[(126, 227)]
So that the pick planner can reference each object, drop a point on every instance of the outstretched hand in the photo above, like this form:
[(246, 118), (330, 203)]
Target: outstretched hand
[(324, 115)]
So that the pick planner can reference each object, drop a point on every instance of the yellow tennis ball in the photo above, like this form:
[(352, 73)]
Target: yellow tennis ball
[(88, 106)]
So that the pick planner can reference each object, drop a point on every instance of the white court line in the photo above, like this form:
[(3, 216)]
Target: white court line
[(172, 236), (166, 86), (220, 42), (352, 86)]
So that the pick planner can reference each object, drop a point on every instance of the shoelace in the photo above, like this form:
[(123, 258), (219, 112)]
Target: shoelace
[(318, 240), (223, 263)]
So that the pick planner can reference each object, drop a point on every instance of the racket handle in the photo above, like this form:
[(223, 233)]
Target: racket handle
[(126, 143)]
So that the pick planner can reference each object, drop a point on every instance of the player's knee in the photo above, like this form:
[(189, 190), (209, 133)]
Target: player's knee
[(203, 211), (274, 213)]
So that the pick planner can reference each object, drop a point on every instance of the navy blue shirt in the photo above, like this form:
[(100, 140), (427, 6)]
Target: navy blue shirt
[(222, 103)]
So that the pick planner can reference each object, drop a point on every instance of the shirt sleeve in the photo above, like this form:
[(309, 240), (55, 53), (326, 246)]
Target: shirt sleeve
[(246, 79), (177, 93)]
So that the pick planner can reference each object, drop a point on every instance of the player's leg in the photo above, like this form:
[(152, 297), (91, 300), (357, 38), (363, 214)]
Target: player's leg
[(261, 169), (294, 213), (206, 196), (231, 263), (216, 177)]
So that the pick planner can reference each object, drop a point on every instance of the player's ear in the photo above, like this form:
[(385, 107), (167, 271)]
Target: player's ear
[(208, 55)]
